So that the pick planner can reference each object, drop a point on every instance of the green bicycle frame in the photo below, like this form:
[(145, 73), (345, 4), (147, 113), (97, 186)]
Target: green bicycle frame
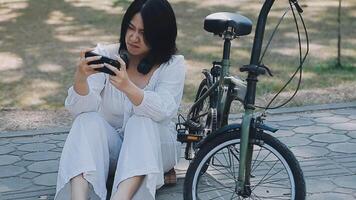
[(225, 97), (246, 147)]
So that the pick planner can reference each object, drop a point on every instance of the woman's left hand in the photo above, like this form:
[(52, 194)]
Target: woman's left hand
[(121, 80)]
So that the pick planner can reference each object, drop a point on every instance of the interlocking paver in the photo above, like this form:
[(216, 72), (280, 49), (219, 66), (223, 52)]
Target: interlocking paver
[(318, 144), (319, 185), (316, 114), (332, 119), (6, 149), (329, 137), (61, 137), (8, 159), (44, 166), (352, 116), (348, 126), (312, 129), (10, 170), (39, 156), (345, 111), (18, 153), (23, 163), (29, 140), (14, 183), (297, 122), (30, 175), (46, 179), (323, 141), (60, 144), (283, 133), (344, 190), (4, 141), (295, 141), (36, 147), (309, 151), (330, 196), (343, 147), (278, 118), (347, 182), (352, 134)]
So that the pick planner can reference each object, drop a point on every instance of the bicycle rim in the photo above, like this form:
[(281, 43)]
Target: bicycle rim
[(271, 176)]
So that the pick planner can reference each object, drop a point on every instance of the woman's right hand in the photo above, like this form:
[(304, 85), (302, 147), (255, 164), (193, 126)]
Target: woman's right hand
[(83, 69)]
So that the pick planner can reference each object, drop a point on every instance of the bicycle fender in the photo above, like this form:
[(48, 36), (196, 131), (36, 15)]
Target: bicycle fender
[(229, 128), (266, 128), (211, 136)]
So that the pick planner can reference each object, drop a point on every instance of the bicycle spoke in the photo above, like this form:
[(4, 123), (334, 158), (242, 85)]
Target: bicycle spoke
[(260, 162), (253, 164), (221, 171), (267, 178), (270, 180), (263, 177), (223, 165)]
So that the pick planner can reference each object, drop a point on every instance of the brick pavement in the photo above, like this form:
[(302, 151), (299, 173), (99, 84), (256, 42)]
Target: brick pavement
[(322, 137)]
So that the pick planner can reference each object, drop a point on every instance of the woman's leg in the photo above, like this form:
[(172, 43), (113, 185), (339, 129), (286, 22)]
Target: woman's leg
[(90, 148), (140, 156), (128, 187), (80, 188)]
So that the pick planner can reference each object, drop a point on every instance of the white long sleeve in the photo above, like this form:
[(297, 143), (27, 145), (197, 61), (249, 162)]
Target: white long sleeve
[(163, 102), (76, 103)]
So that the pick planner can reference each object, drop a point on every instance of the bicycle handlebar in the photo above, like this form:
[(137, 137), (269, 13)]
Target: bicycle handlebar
[(260, 28)]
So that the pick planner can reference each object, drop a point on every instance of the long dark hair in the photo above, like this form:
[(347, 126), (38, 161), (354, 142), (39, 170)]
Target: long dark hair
[(160, 31)]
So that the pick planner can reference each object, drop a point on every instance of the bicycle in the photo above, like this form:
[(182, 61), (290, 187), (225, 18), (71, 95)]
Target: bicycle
[(236, 161)]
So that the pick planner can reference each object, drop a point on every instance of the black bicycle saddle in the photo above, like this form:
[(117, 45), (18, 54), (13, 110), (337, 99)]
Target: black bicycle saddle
[(218, 23)]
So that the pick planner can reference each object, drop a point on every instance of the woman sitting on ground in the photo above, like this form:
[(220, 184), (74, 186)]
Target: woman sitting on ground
[(123, 123)]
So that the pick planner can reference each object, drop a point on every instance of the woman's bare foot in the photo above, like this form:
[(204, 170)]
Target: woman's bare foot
[(170, 178)]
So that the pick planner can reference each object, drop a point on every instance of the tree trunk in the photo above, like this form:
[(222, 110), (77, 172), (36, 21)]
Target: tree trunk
[(338, 62)]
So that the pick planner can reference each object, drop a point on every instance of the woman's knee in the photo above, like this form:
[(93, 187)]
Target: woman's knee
[(90, 126), (141, 125), (87, 118), (141, 121)]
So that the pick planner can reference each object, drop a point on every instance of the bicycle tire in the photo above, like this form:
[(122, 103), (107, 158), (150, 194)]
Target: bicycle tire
[(291, 176), (208, 120)]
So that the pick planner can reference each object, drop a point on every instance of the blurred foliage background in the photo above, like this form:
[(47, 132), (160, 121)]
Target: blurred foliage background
[(40, 42)]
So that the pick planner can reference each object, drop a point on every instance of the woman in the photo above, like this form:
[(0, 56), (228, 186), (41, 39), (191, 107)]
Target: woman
[(123, 123)]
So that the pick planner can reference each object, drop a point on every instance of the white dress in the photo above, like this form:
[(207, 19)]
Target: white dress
[(110, 135)]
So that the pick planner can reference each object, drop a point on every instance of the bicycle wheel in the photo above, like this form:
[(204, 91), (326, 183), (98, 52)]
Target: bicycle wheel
[(205, 113), (275, 172)]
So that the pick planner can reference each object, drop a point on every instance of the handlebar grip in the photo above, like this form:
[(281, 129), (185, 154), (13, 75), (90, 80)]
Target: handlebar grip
[(253, 69), (297, 6)]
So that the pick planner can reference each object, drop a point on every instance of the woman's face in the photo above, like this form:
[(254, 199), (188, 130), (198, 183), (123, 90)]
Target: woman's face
[(134, 39)]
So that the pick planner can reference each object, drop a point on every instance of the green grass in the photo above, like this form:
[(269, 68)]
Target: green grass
[(40, 43)]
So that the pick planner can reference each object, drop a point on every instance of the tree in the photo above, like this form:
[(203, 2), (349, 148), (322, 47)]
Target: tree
[(338, 62)]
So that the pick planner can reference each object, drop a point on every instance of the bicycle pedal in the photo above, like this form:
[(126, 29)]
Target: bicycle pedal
[(183, 137)]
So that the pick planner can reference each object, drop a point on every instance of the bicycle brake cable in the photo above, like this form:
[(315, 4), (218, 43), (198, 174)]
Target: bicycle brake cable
[(301, 59)]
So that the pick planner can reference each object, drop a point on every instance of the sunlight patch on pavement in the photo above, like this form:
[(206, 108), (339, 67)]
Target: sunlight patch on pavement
[(37, 91), (103, 5), (10, 61), (8, 15), (50, 67), (8, 9), (207, 49), (57, 17), (11, 76)]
